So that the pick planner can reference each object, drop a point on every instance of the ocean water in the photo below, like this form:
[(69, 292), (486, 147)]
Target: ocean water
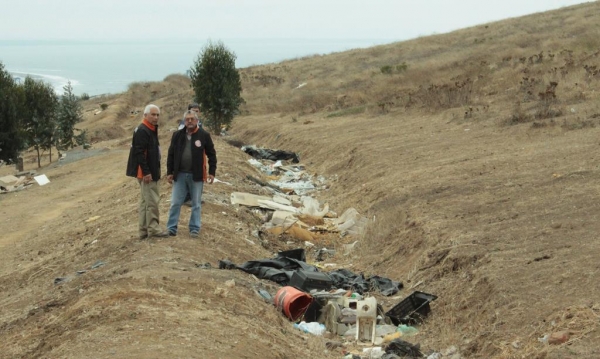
[(109, 67)]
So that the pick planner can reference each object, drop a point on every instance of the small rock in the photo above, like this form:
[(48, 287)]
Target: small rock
[(558, 338), (516, 344)]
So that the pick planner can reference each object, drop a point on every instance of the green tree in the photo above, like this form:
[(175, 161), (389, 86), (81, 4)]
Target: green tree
[(39, 116), (11, 141), (217, 85), (69, 114)]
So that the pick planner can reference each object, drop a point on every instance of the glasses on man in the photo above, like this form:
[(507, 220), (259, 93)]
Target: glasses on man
[(191, 119)]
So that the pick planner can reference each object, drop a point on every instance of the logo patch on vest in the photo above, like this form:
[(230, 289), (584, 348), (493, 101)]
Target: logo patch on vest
[(198, 143)]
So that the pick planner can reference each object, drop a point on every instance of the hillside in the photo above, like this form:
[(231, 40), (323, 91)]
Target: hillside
[(473, 154)]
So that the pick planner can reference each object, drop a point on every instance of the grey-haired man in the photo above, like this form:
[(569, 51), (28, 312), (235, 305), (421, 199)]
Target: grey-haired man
[(144, 164)]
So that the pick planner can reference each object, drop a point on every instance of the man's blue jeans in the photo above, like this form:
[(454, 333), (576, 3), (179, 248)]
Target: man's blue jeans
[(183, 184)]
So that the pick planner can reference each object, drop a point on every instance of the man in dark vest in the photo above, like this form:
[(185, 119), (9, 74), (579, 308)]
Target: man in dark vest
[(144, 164), (192, 160)]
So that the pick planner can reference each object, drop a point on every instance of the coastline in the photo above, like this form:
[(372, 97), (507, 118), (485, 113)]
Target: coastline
[(109, 67)]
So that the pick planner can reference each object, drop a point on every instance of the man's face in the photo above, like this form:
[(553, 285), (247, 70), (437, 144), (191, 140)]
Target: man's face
[(196, 110), (152, 116), (191, 122)]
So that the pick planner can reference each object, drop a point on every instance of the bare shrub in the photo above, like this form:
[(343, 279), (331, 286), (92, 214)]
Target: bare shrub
[(446, 95), (518, 115), (578, 123), (591, 73), (547, 99), (528, 87)]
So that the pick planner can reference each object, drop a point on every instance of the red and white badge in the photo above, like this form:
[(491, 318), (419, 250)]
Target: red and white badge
[(198, 143)]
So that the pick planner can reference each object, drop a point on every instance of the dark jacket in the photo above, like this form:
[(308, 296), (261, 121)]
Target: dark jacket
[(144, 154), (203, 151)]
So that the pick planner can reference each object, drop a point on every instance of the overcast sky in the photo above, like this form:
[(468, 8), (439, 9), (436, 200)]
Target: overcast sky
[(236, 19)]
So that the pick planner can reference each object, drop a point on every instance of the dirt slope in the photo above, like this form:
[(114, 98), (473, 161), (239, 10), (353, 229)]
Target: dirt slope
[(489, 205)]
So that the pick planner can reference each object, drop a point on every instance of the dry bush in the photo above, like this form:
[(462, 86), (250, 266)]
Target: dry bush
[(578, 123), (518, 115)]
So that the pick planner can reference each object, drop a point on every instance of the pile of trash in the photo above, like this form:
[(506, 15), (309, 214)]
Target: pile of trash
[(340, 303), (273, 155), (337, 303), (299, 216), (21, 181)]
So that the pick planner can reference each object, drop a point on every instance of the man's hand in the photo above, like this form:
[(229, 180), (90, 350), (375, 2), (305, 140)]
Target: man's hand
[(210, 179), (147, 178), (170, 179)]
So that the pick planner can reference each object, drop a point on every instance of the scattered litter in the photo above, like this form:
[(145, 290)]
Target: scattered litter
[(403, 349), (407, 331), (60, 280), (312, 328), (292, 302), (373, 353), (247, 199), (98, 264), (273, 155), (281, 269), (203, 265), (216, 180), (91, 219), (299, 216), (366, 319), (558, 338), (41, 180), (413, 309), (308, 280), (265, 295), (13, 184), (6, 180)]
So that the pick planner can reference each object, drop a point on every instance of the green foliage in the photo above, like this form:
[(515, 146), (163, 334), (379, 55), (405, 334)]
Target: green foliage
[(402, 67), (347, 111), (81, 139), (11, 141), (103, 106), (389, 69), (39, 115), (217, 86), (70, 113), (84, 97)]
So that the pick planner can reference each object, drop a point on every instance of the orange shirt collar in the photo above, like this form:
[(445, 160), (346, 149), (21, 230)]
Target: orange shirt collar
[(149, 125)]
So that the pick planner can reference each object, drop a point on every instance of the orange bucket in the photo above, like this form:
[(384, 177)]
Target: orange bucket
[(292, 302)]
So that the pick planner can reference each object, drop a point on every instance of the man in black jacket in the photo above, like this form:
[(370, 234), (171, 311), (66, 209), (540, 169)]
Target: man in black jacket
[(144, 164), (190, 150), (196, 108)]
